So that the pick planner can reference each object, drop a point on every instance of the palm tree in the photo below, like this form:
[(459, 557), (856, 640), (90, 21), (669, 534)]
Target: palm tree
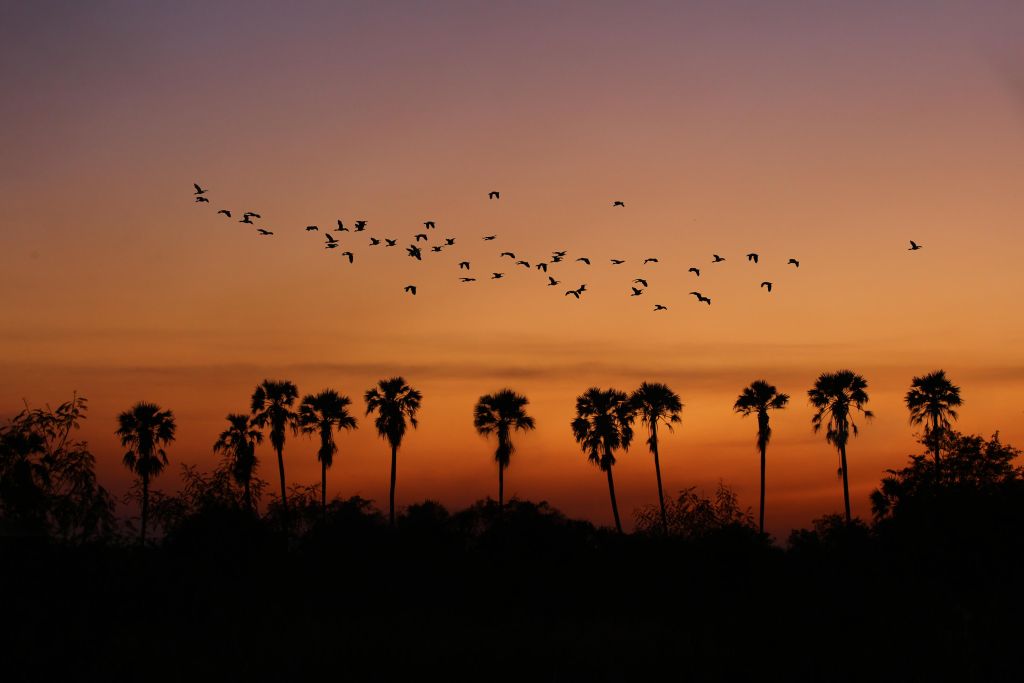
[(144, 431), (833, 394), (323, 413), (932, 401), (238, 443), (603, 423), (272, 403), (502, 413), (394, 402), (656, 403), (760, 397)]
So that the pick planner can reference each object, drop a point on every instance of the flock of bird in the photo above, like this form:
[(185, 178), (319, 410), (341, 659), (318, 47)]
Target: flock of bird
[(415, 251)]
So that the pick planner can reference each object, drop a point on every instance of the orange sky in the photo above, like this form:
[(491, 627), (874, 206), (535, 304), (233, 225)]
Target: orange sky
[(833, 137)]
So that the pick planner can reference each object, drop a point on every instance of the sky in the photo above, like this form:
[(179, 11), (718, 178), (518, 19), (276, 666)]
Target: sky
[(833, 133)]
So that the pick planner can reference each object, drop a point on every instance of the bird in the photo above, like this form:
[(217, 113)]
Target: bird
[(575, 292), (374, 241), (641, 281), (330, 238), (752, 257), (311, 227), (650, 260), (415, 252), (694, 270), (341, 227), (225, 212), (914, 246), (497, 276), (507, 253), (767, 284), (523, 263), (464, 264), (199, 190), (794, 262), (698, 295), (429, 225), (584, 259), (552, 281), (718, 258), (263, 232), (542, 266), (435, 249), (636, 292), (618, 203), (331, 245), (467, 279), (390, 243), (349, 254), (202, 199), (449, 241), (252, 214), (360, 226), (419, 236), (583, 287), (494, 194), (411, 289), (559, 254), (490, 237), (245, 219), (659, 307), (617, 262)]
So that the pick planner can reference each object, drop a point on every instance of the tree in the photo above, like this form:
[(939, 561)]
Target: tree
[(932, 401), (272, 403), (321, 414), (501, 413), (760, 397), (656, 403), (396, 404), (833, 395), (238, 444), (145, 430), (603, 423)]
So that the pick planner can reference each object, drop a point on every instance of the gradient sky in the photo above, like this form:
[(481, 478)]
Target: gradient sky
[(829, 132)]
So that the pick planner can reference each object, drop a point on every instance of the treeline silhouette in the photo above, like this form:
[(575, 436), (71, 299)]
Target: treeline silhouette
[(926, 589)]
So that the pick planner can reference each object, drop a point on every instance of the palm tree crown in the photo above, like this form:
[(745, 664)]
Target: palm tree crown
[(833, 395), (759, 398), (603, 424), (322, 414), (238, 443), (395, 403), (932, 401), (657, 404), (144, 431)]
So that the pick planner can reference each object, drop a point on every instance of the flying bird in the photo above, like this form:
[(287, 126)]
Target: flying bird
[(718, 258), (202, 199), (622, 204), (650, 260), (411, 289), (636, 292), (467, 279), (585, 260), (552, 281), (575, 292), (252, 215), (694, 270), (914, 246), (493, 194), (641, 281), (245, 219), (435, 249), (507, 253), (415, 252), (331, 245), (449, 241), (497, 276), (330, 238), (199, 190), (464, 264), (490, 237), (374, 241), (794, 262), (752, 257), (349, 254), (556, 259), (523, 263), (420, 236), (429, 225), (659, 307), (767, 284), (225, 212), (312, 227), (341, 227), (263, 232), (542, 266), (360, 226), (617, 262), (390, 243)]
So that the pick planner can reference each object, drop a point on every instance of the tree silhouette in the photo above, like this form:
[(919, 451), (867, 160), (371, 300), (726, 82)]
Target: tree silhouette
[(932, 401), (833, 395), (395, 402), (144, 431), (656, 403), (603, 423), (760, 397), (272, 403), (238, 444), (321, 414), (502, 413)]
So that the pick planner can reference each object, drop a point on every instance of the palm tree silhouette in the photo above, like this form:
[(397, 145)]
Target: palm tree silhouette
[(833, 394), (760, 397), (322, 414), (932, 401), (502, 413), (656, 403), (394, 402), (272, 403), (238, 443), (602, 424), (144, 431)]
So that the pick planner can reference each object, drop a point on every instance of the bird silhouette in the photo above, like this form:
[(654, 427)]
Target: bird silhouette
[(575, 292), (584, 259), (767, 284), (694, 270), (718, 258), (225, 212), (914, 246), (245, 219), (490, 237), (636, 292), (467, 279), (464, 264), (202, 199), (752, 257), (659, 307), (390, 243), (374, 241), (650, 260), (543, 267), (429, 225), (341, 227), (251, 214), (641, 281), (411, 289), (330, 238), (794, 262), (583, 287), (552, 281), (420, 236), (556, 259), (617, 262), (622, 204), (360, 226), (199, 190), (497, 276), (493, 195), (449, 241), (415, 252), (507, 253), (331, 245), (350, 255), (523, 263), (311, 227), (435, 249), (263, 232)]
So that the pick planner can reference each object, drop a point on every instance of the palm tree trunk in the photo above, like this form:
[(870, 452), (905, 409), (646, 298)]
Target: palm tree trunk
[(846, 482), (657, 472), (615, 507), (145, 508), (391, 499), (248, 496), (323, 489), (501, 488), (935, 446), (760, 519), (280, 468)]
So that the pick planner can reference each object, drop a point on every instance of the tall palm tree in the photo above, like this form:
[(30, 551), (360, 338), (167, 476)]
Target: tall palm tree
[(760, 397), (321, 414), (932, 401), (394, 401), (145, 430), (603, 423), (656, 403), (238, 443), (272, 403), (502, 413), (833, 395)]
